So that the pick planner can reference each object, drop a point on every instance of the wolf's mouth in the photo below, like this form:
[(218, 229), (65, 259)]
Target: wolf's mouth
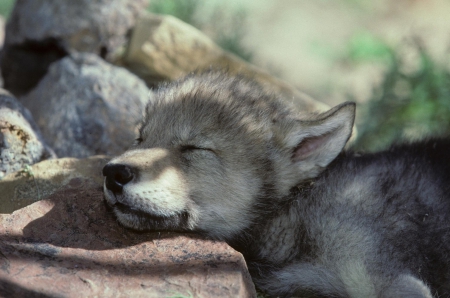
[(137, 219), (126, 209)]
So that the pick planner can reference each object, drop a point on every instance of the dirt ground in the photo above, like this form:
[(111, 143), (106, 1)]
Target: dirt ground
[(302, 41)]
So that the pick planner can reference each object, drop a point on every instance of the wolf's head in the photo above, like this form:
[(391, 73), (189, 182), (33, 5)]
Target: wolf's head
[(213, 150)]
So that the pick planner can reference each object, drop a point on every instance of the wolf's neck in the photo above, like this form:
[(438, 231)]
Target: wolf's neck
[(280, 237)]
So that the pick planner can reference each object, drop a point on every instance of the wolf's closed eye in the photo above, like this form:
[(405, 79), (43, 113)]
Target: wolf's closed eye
[(189, 148), (192, 152)]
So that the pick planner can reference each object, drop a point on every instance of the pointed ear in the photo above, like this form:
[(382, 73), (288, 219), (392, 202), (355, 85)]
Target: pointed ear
[(317, 142)]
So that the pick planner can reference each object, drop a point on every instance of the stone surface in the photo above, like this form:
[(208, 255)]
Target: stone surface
[(82, 25), (86, 106), (165, 48), (22, 66), (43, 179), (70, 245), (21, 143), (39, 32)]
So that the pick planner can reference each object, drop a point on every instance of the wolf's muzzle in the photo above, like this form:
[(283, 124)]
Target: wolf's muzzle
[(117, 176)]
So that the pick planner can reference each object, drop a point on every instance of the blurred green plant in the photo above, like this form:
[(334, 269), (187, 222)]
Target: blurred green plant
[(230, 30), (222, 22), (185, 10), (5, 7), (365, 46), (413, 101)]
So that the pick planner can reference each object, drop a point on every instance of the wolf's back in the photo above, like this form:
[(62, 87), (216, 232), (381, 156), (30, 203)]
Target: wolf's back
[(404, 192)]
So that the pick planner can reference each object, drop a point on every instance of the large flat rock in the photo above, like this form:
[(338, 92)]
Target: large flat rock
[(70, 245)]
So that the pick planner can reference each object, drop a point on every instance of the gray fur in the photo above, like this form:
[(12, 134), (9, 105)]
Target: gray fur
[(218, 156)]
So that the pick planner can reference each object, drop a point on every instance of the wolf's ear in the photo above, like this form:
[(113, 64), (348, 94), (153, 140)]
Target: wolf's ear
[(315, 143)]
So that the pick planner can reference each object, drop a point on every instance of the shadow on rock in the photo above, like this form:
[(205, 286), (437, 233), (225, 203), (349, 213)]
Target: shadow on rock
[(75, 217), (71, 245)]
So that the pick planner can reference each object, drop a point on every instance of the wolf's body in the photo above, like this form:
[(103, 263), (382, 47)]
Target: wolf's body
[(218, 157), (364, 222)]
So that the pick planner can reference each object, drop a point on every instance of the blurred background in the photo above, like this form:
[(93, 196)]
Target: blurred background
[(391, 57)]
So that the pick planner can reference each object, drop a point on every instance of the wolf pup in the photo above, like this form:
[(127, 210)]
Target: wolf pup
[(218, 156)]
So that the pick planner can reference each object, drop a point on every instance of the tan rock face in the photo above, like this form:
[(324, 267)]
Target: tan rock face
[(70, 245), (165, 48)]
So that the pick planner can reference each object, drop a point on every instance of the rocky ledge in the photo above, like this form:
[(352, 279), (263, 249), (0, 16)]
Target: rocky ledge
[(70, 245)]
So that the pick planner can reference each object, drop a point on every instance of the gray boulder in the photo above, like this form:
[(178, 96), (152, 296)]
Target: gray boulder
[(21, 143), (39, 32), (86, 106)]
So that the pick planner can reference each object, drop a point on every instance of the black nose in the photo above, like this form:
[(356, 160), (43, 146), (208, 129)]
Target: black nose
[(117, 176)]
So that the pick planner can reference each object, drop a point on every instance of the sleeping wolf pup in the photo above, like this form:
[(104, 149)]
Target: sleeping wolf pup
[(219, 156)]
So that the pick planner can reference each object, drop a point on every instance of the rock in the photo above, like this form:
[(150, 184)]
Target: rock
[(86, 106), (22, 66), (39, 32), (43, 179), (70, 245), (21, 143), (165, 48), (82, 25)]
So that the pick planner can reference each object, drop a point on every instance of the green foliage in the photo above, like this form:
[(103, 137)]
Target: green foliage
[(223, 23), (5, 7), (184, 10), (364, 46), (410, 103)]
